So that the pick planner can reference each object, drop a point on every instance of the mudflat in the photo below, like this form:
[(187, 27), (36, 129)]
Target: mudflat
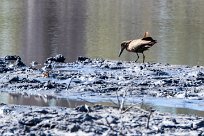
[(117, 98)]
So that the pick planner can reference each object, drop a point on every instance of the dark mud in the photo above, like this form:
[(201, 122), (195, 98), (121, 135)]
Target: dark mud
[(96, 80), (96, 120)]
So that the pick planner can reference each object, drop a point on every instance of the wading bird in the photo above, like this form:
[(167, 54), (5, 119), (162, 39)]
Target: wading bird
[(138, 45)]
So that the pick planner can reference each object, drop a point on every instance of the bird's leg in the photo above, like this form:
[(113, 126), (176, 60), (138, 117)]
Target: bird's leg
[(137, 57), (143, 57)]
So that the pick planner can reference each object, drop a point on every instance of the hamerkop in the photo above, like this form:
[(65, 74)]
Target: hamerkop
[(138, 45)]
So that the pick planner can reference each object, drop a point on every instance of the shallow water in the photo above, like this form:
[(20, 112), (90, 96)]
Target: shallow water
[(174, 106), (37, 29)]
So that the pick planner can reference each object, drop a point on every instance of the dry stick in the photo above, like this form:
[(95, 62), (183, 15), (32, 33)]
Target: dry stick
[(69, 83), (148, 118), (127, 109), (121, 130), (186, 93), (123, 101), (120, 104), (116, 104), (109, 125), (122, 126), (134, 106), (118, 98), (139, 108)]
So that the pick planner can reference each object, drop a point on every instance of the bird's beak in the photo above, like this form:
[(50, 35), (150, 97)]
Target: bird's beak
[(121, 51)]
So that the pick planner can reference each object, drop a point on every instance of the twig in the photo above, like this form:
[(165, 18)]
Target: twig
[(148, 118), (113, 102), (123, 101), (109, 125), (118, 97), (186, 93), (69, 83), (127, 109)]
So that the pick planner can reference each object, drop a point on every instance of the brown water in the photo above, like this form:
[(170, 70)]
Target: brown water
[(37, 29)]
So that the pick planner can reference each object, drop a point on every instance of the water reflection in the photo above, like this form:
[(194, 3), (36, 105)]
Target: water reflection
[(34, 100), (55, 27), (37, 29)]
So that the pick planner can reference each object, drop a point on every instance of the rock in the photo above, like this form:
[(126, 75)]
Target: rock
[(81, 58), (168, 124), (86, 117), (14, 79), (98, 81), (74, 128), (42, 111), (58, 58), (84, 108), (111, 119), (14, 59), (49, 85), (47, 67), (199, 124), (30, 121), (98, 107), (19, 63), (103, 77), (11, 57), (200, 76)]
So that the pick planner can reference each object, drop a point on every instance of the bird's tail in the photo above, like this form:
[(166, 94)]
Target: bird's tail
[(146, 34)]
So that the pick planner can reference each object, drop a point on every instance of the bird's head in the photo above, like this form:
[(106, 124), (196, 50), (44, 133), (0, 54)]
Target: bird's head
[(124, 45)]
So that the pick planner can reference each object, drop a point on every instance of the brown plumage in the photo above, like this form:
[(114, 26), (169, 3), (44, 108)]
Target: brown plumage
[(138, 45)]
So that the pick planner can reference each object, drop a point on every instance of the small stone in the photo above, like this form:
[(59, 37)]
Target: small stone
[(111, 119), (74, 128), (14, 79), (81, 58), (30, 121), (84, 108), (48, 85), (198, 124), (19, 63), (86, 117), (42, 111), (12, 57), (59, 58)]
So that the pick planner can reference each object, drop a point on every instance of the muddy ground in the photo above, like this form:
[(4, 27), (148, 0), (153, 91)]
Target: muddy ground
[(124, 84)]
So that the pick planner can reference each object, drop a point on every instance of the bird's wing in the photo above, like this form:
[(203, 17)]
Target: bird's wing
[(148, 39), (135, 44)]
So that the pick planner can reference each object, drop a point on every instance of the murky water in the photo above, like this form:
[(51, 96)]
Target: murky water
[(37, 29), (162, 105)]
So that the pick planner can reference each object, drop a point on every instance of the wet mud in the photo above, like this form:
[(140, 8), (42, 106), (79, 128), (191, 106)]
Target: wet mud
[(125, 85)]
